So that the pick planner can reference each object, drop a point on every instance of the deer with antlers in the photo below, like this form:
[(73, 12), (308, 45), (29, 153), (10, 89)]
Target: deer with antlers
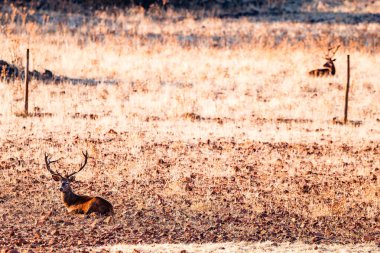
[(78, 203), (329, 67)]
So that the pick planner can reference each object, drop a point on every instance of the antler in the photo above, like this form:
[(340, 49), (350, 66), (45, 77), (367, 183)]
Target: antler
[(82, 164), (48, 162), (331, 48)]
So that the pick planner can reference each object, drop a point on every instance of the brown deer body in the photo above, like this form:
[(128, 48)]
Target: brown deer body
[(78, 203), (329, 69)]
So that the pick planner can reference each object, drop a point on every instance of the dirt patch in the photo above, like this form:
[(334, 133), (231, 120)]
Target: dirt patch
[(85, 116), (190, 193)]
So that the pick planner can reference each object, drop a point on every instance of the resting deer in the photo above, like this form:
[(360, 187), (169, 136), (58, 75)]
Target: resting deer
[(77, 203), (329, 65)]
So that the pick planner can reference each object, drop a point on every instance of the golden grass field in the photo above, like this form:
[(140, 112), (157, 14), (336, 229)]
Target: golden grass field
[(214, 139)]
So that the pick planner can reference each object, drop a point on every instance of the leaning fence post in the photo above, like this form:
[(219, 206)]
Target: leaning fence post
[(27, 82), (347, 90)]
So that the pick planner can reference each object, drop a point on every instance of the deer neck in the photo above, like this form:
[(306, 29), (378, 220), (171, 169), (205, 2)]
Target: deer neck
[(69, 197), (332, 69)]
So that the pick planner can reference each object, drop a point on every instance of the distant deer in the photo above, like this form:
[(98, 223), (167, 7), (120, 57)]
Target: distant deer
[(77, 203), (329, 65)]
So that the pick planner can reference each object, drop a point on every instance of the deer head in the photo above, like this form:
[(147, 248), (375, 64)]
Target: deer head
[(67, 179)]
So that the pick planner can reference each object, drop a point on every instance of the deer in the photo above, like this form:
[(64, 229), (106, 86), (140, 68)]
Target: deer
[(78, 203), (329, 69)]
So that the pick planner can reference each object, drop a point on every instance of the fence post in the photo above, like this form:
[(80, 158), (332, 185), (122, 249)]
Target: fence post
[(347, 90), (27, 82)]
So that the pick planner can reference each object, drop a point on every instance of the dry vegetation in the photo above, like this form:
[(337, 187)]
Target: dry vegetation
[(214, 133)]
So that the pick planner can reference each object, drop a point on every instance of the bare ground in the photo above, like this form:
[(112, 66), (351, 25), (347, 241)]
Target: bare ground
[(199, 191)]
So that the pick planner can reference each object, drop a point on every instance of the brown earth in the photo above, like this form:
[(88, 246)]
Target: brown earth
[(252, 198)]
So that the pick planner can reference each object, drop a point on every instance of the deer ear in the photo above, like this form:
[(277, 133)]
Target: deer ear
[(72, 179), (56, 177)]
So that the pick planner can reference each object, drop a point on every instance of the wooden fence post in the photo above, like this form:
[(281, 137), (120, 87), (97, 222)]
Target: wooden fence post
[(26, 83), (347, 90)]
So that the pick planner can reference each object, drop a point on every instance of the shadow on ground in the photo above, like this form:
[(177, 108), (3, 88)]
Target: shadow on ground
[(10, 72)]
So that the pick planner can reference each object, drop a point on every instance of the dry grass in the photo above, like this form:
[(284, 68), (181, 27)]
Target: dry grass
[(215, 122)]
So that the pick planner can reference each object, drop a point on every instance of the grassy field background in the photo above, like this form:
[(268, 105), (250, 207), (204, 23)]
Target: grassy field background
[(214, 132)]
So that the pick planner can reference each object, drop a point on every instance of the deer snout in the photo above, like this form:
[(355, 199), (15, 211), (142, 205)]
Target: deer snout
[(61, 189)]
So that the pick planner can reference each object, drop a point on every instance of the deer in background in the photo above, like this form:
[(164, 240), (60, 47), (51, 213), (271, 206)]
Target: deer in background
[(329, 65), (78, 203)]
